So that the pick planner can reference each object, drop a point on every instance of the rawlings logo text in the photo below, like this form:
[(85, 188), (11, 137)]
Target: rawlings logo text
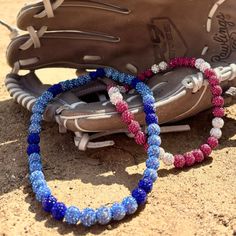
[(225, 38)]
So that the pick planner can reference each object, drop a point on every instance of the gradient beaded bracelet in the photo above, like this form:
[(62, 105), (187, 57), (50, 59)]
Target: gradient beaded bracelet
[(189, 158), (88, 216)]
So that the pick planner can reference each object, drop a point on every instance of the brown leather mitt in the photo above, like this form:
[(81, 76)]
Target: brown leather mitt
[(127, 35)]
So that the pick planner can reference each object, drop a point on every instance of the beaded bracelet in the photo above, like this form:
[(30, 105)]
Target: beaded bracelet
[(122, 107), (88, 216), (197, 155)]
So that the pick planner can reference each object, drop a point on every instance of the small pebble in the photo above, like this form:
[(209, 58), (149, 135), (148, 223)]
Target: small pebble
[(109, 227)]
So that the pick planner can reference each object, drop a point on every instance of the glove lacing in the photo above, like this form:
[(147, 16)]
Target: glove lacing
[(196, 81), (49, 8)]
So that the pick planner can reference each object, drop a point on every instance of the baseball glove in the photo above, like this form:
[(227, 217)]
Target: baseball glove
[(129, 36)]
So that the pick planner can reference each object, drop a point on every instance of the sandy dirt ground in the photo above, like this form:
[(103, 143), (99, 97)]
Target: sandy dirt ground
[(195, 201)]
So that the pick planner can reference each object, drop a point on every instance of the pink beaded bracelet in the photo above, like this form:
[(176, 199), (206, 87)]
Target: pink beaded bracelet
[(127, 117), (197, 155)]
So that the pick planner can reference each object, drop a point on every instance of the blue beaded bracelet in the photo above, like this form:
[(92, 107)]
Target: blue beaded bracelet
[(102, 215)]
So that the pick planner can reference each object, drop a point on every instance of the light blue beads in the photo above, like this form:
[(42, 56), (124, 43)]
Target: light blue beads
[(153, 151), (149, 99), (34, 128), (150, 173), (74, 84), (153, 129), (103, 215), (128, 79), (34, 157), (108, 72), (88, 217), (122, 77), (36, 175), (33, 166), (153, 163), (42, 192), (84, 79), (45, 98), (116, 75), (130, 205), (72, 215), (118, 211), (154, 140), (36, 118), (37, 184), (143, 89), (38, 107)]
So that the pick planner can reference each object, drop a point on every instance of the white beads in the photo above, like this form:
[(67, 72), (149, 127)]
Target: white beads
[(199, 62), (163, 65), (113, 90), (115, 98), (168, 159), (162, 153), (155, 69), (216, 132), (115, 95), (218, 122), (204, 66)]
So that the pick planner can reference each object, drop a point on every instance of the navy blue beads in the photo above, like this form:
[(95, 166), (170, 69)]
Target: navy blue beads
[(58, 211), (99, 73), (134, 83), (33, 148), (48, 203), (149, 108), (33, 138), (151, 119), (55, 89), (146, 184), (139, 195)]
